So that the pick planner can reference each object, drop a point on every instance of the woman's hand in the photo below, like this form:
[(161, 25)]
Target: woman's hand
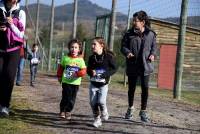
[(151, 57), (10, 20), (130, 55)]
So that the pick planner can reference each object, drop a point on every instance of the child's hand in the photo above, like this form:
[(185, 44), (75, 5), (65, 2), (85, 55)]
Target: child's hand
[(94, 73), (59, 79), (74, 75)]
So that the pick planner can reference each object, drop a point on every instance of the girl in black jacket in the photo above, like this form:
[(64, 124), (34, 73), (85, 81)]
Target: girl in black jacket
[(101, 66)]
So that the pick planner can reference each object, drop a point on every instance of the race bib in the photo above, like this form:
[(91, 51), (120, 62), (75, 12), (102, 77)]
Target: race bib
[(97, 77), (34, 61), (70, 71)]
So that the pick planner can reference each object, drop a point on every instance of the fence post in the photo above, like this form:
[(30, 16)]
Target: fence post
[(51, 35), (112, 25), (75, 18), (128, 25), (180, 51)]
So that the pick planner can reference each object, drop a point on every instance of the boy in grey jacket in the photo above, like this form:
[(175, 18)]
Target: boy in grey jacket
[(34, 58)]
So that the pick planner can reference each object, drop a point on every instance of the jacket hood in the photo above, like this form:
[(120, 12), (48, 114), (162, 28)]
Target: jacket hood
[(2, 6)]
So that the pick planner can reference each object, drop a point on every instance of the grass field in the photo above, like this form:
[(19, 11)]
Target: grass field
[(14, 124), (189, 97)]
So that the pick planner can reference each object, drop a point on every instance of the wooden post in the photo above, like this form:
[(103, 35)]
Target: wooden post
[(51, 35), (180, 51), (112, 25), (75, 18), (37, 21), (128, 25)]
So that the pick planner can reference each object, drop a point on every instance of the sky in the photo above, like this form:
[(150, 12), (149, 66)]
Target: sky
[(155, 8)]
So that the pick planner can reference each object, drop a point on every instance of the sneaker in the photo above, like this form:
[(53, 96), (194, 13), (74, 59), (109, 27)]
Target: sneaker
[(18, 84), (129, 113), (105, 116), (62, 115), (68, 115), (32, 85), (144, 116), (97, 122), (5, 111)]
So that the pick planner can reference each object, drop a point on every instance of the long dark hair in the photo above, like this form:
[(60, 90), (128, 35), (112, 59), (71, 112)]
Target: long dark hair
[(142, 16), (6, 1), (101, 41), (71, 42)]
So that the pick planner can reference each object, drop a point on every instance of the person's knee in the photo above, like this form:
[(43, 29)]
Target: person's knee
[(93, 103), (102, 101)]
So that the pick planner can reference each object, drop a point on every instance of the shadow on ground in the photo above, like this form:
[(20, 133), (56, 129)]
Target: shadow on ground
[(79, 122)]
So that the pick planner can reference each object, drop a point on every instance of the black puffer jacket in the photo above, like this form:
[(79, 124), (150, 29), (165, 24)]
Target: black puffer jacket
[(104, 65), (139, 43)]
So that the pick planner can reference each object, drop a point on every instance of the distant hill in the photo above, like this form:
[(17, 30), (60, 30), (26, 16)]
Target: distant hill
[(87, 11), (192, 21)]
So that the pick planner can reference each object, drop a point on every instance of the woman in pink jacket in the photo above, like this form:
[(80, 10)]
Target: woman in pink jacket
[(12, 27)]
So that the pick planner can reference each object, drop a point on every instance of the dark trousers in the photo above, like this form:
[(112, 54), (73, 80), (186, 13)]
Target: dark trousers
[(132, 80), (33, 71), (8, 68), (69, 93)]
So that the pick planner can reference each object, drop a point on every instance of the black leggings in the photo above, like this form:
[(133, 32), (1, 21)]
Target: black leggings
[(8, 68), (132, 80), (69, 93)]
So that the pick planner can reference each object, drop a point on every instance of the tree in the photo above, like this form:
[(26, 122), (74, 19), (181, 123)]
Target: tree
[(80, 33)]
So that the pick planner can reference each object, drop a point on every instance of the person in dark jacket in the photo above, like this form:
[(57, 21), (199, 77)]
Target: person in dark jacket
[(101, 66), (34, 58), (12, 27), (139, 47)]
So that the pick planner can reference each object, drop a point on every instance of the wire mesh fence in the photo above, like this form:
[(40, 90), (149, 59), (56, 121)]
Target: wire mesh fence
[(165, 19)]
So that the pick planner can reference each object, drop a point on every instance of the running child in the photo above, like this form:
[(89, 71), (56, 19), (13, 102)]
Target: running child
[(69, 73), (101, 66)]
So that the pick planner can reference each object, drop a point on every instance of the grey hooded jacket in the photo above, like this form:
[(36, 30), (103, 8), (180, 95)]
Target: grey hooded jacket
[(131, 43)]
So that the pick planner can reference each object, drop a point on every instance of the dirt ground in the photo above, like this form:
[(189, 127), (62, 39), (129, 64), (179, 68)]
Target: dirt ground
[(167, 116)]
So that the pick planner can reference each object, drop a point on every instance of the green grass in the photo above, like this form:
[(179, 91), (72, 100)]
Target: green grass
[(189, 97), (13, 124)]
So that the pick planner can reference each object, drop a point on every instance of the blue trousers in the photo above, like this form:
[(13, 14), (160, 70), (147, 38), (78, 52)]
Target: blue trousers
[(98, 99), (20, 69), (33, 71)]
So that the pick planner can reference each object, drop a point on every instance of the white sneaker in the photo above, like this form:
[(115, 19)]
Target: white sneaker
[(5, 111), (97, 122), (105, 116)]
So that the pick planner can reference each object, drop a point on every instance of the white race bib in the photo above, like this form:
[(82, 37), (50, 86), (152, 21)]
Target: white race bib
[(70, 71), (97, 77), (34, 61)]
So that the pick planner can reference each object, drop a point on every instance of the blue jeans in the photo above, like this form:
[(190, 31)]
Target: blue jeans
[(33, 71), (98, 99), (20, 69)]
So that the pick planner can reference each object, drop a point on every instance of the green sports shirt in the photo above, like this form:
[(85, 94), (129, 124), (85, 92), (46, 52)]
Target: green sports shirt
[(72, 65)]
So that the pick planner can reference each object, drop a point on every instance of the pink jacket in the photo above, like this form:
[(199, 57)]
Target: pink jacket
[(12, 38)]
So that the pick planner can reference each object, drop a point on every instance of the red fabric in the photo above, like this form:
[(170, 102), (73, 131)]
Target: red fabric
[(81, 72), (21, 52), (60, 71)]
